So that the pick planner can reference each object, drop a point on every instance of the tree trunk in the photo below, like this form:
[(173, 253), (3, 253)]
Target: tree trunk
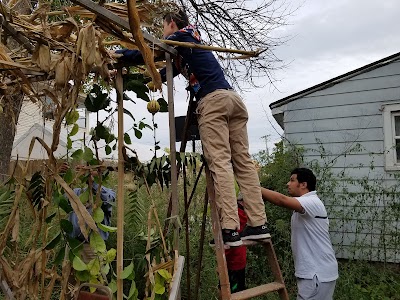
[(11, 106), (8, 124)]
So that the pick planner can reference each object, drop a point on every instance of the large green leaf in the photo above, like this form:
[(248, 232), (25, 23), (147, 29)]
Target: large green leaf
[(138, 133), (108, 149), (133, 291), (60, 256), (127, 139), (74, 130), (68, 176), (96, 100), (165, 274), (106, 228), (129, 114), (78, 264), (94, 267), (88, 154), (66, 226), (71, 117), (84, 197), (97, 243), (50, 218), (64, 204), (98, 215), (138, 87), (77, 154), (127, 271), (113, 286), (159, 288), (83, 275), (53, 242), (110, 256), (163, 105)]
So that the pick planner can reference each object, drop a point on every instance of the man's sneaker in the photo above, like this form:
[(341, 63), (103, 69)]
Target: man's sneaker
[(211, 243), (255, 233), (231, 238)]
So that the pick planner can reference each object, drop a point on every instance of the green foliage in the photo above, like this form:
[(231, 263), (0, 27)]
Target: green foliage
[(96, 100), (276, 168), (136, 83), (36, 190), (6, 203)]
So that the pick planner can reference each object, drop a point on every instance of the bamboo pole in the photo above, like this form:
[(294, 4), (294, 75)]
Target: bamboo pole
[(172, 141), (185, 196), (120, 194), (213, 48), (201, 245)]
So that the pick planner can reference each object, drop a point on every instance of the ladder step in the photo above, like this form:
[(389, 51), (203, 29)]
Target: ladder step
[(257, 291)]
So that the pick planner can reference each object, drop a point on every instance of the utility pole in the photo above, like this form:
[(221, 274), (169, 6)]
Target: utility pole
[(266, 138)]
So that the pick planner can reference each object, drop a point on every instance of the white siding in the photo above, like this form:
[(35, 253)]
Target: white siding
[(346, 116)]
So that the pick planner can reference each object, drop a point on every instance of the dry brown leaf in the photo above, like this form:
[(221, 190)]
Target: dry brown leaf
[(15, 230), (63, 70), (41, 57), (84, 218), (61, 32)]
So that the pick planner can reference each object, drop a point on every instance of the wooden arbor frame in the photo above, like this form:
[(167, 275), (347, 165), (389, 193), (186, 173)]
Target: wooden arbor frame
[(104, 13)]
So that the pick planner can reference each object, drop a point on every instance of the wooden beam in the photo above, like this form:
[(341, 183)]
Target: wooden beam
[(104, 13), (176, 280), (172, 143), (120, 193)]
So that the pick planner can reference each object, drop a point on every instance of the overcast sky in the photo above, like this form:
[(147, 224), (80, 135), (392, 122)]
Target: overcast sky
[(328, 38)]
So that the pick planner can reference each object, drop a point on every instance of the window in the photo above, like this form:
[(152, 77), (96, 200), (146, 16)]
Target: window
[(391, 129)]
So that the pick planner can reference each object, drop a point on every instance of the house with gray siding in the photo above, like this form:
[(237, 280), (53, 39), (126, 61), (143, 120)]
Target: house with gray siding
[(349, 130)]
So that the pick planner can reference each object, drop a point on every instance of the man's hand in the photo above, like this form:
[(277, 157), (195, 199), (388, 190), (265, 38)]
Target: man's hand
[(114, 54)]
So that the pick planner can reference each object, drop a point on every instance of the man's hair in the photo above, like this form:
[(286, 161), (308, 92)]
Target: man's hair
[(179, 17), (305, 175)]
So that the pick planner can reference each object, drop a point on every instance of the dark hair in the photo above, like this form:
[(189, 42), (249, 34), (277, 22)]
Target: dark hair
[(179, 17), (305, 175)]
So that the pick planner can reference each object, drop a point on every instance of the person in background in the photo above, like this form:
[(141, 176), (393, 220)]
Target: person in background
[(222, 118), (236, 256), (316, 267), (107, 196)]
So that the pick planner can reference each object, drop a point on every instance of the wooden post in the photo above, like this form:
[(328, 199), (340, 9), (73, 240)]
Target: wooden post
[(172, 142), (120, 194)]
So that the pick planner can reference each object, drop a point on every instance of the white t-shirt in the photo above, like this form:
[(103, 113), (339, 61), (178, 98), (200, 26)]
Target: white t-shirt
[(311, 244)]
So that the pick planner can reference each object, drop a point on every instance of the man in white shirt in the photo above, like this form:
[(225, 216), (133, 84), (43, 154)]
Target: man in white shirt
[(316, 268)]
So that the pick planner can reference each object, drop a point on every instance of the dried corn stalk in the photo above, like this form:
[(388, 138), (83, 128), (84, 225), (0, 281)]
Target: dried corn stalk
[(134, 23)]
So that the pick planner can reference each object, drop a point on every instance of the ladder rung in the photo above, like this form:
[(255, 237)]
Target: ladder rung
[(257, 291)]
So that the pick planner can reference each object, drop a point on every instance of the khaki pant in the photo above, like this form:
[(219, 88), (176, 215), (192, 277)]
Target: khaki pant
[(313, 289), (222, 118)]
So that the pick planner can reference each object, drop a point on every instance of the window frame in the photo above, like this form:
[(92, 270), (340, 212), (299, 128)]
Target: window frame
[(390, 154)]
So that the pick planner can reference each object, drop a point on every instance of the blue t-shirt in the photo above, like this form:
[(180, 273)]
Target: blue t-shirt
[(108, 197), (198, 66)]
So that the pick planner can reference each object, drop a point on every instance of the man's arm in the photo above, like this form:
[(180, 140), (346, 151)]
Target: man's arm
[(281, 200)]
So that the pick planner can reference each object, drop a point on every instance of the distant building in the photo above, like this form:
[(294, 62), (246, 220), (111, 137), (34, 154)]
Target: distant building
[(351, 124)]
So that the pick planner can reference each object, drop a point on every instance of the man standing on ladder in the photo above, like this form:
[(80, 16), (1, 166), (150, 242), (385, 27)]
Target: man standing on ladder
[(316, 268), (222, 118)]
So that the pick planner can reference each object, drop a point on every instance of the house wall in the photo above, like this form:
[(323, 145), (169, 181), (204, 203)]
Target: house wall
[(31, 124), (341, 128)]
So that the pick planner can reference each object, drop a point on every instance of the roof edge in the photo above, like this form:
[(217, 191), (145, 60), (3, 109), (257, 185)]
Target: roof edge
[(335, 80)]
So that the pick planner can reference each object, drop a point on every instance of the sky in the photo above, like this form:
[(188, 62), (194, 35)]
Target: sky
[(327, 39)]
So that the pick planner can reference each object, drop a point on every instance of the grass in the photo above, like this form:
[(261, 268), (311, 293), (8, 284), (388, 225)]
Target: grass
[(358, 279)]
